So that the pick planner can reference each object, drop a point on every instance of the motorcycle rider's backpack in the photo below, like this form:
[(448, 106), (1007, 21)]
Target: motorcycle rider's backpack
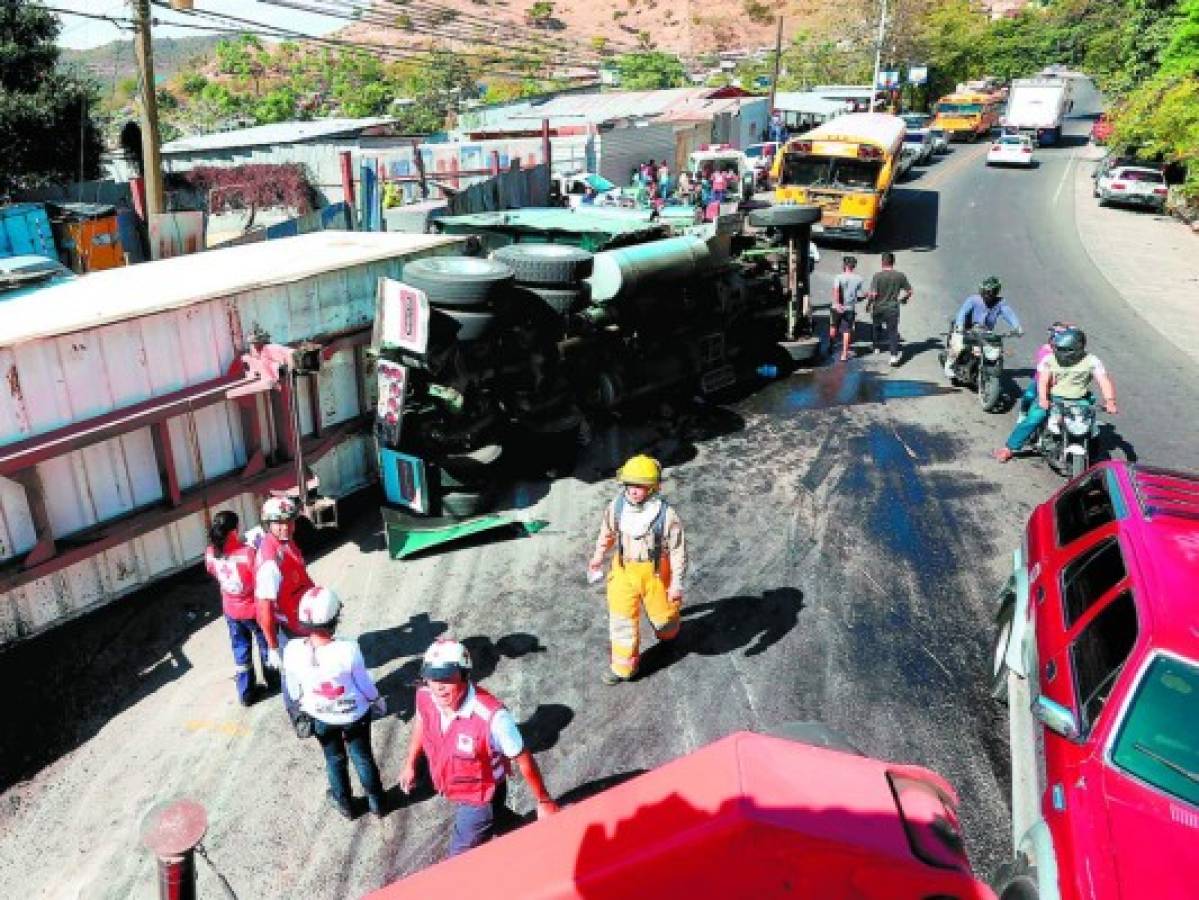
[(658, 529)]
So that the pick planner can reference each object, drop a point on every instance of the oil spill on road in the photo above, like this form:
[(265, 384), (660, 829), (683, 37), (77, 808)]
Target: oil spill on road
[(840, 385)]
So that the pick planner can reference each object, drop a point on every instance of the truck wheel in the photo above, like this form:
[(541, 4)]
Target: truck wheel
[(457, 281), (546, 264), (784, 216), (563, 301), (466, 504), (471, 324), (469, 470)]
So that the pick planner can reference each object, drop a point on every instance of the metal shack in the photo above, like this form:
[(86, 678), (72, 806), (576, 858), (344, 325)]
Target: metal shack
[(127, 417)]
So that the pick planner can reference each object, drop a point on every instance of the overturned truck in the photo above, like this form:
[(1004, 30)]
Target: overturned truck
[(558, 317)]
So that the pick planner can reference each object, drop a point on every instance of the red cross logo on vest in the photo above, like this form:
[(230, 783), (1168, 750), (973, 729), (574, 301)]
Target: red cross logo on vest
[(329, 690)]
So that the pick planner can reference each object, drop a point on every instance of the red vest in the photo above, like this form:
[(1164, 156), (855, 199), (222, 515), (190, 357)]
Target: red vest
[(461, 760), (295, 580), (234, 572)]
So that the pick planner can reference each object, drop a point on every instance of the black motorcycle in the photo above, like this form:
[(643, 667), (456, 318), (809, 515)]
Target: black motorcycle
[(1066, 440), (979, 365)]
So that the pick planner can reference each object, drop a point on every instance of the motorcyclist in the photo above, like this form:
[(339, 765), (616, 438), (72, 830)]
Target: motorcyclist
[(1029, 397), (1068, 374), (983, 309)]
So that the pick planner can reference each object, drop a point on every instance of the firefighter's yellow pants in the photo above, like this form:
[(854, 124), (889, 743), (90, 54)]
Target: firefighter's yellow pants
[(632, 586)]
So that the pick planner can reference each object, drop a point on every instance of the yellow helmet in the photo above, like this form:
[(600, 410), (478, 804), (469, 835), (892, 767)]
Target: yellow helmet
[(641, 470)]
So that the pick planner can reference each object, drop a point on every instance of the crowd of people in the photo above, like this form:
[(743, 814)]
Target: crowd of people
[(468, 740), (654, 185)]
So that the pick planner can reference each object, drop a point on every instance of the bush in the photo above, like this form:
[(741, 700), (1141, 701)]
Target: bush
[(252, 186)]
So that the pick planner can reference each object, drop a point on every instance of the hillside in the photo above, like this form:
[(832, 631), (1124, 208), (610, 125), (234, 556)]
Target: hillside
[(113, 62), (690, 28)]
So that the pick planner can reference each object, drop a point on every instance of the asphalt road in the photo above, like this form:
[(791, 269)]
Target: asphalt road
[(847, 528)]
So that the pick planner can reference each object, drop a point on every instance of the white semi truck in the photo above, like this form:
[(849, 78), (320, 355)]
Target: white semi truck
[(1037, 106)]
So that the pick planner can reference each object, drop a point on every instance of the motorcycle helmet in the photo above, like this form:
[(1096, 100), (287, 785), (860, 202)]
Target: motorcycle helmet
[(989, 289), (1069, 346)]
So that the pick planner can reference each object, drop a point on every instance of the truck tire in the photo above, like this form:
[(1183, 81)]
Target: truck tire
[(457, 281), (563, 301), (466, 504), (470, 324), (546, 264), (784, 216), (458, 471)]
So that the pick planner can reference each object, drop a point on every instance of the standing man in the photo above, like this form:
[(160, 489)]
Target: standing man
[(889, 289), (847, 291), (280, 580), (470, 741), (647, 568)]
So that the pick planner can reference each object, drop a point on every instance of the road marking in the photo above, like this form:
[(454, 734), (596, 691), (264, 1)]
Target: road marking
[(1062, 183), (960, 160)]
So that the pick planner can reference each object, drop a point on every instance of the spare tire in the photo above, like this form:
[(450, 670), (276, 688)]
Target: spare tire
[(785, 216), (563, 301), (455, 281), (471, 324), (552, 264)]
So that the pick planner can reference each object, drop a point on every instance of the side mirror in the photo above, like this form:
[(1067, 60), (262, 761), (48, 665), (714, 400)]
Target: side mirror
[(1057, 718)]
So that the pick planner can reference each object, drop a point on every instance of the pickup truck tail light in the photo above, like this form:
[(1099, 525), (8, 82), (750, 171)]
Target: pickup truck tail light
[(1161, 191), (1026, 149), (1119, 186)]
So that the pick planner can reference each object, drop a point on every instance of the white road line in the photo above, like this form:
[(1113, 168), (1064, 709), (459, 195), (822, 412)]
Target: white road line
[(1065, 175)]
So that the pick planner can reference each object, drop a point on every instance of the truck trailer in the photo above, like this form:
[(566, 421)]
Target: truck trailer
[(1036, 107)]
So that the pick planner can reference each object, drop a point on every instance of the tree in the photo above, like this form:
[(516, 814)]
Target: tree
[(650, 70), (47, 124), (1181, 55)]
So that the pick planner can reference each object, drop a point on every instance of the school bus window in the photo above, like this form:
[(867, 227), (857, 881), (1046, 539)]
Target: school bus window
[(959, 109), (815, 171)]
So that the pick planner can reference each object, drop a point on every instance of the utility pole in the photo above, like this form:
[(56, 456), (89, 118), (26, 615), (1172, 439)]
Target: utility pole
[(778, 60), (151, 155), (878, 53)]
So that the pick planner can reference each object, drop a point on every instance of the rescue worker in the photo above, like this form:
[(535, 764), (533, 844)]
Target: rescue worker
[(280, 580), (327, 679), (470, 742), (647, 568), (231, 563)]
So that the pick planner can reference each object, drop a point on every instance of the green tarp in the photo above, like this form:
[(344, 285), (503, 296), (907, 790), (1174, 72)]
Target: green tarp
[(408, 534)]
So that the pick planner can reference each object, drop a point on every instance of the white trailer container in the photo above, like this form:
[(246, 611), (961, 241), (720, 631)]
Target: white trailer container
[(118, 433), (1036, 107)]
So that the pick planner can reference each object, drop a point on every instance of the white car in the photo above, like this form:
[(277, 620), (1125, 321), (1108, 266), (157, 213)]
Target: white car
[(940, 140), (1011, 150), (1134, 186)]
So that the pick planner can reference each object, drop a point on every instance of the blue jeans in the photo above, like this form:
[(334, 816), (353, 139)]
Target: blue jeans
[(1029, 398), (475, 823), (1032, 422), (242, 634), (335, 740)]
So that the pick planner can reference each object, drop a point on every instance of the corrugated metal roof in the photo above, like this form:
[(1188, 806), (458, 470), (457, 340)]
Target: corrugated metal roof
[(126, 293), (279, 133), (807, 102), (702, 109), (594, 109)]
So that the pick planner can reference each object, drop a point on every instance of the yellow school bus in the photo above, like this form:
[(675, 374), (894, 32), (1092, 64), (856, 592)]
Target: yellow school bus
[(845, 166), (966, 116)]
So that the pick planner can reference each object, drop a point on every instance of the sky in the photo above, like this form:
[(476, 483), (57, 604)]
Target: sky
[(78, 33)]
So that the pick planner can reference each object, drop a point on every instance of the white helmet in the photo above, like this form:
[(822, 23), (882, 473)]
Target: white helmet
[(319, 606), (445, 657), (278, 509)]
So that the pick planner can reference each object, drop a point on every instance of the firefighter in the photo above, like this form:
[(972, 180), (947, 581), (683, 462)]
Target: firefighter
[(231, 562), (647, 568), (470, 742), (280, 580)]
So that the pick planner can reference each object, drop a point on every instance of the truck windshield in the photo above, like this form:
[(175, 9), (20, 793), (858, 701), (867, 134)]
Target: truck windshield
[(1158, 742), (804, 170), (959, 109)]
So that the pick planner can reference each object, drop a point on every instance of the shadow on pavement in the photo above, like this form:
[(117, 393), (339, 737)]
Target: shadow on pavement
[(542, 729), (1110, 439), (722, 626), (66, 685), (910, 222)]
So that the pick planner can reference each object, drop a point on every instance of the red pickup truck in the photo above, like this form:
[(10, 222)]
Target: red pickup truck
[(748, 816)]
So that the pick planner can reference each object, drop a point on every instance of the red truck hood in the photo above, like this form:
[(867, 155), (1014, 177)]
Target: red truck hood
[(1152, 848)]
